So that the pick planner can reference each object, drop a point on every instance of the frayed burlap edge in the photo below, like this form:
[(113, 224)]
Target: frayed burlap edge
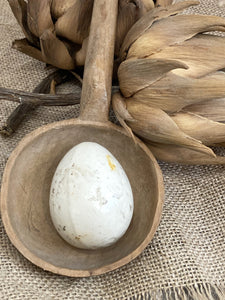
[(203, 291)]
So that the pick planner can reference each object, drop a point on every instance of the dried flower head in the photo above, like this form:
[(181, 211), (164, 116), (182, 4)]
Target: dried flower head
[(169, 66), (56, 31)]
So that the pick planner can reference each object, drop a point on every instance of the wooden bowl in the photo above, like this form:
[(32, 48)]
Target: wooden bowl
[(29, 171), (25, 198)]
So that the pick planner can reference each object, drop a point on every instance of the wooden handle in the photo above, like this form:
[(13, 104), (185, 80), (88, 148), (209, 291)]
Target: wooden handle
[(97, 83)]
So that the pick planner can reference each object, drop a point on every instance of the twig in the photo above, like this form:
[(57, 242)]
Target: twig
[(40, 99), (24, 109)]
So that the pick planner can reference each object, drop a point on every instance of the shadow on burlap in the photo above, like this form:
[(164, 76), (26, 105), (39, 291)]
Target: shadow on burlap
[(186, 258)]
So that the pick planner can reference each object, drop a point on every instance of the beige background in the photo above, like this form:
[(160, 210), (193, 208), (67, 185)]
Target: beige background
[(188, 249)]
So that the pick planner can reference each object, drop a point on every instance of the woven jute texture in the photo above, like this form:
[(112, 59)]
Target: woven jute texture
[(186, 258)]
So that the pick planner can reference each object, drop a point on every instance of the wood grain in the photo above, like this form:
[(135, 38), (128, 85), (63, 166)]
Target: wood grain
[(97, 83)]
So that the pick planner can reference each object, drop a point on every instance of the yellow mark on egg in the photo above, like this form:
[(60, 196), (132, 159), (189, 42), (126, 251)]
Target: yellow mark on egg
[(111, 164)]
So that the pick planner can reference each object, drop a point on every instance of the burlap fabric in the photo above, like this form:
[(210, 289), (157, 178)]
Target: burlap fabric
[(185, 260)]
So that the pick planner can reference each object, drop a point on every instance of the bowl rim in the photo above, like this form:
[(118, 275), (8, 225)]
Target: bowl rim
[(49, 266)]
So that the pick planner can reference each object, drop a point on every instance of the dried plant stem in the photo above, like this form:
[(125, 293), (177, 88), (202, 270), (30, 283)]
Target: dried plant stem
[(29, 101), (36, 99)]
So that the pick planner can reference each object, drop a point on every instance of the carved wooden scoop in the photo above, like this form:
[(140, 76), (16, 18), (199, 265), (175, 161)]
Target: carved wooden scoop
[(29, 171)]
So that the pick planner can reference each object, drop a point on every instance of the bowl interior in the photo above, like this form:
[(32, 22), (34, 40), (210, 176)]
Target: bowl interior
[(25, 198)]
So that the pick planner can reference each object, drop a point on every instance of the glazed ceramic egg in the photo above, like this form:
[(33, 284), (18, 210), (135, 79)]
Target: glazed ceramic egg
[(91, 200)]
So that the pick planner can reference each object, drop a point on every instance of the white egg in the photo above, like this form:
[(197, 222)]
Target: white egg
[(91, 200)]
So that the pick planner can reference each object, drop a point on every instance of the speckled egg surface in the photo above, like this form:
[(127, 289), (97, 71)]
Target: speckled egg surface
[(91, 200)]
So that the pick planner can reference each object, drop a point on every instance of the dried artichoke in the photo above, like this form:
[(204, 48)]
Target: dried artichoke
[(171, 76), (57, 31)]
